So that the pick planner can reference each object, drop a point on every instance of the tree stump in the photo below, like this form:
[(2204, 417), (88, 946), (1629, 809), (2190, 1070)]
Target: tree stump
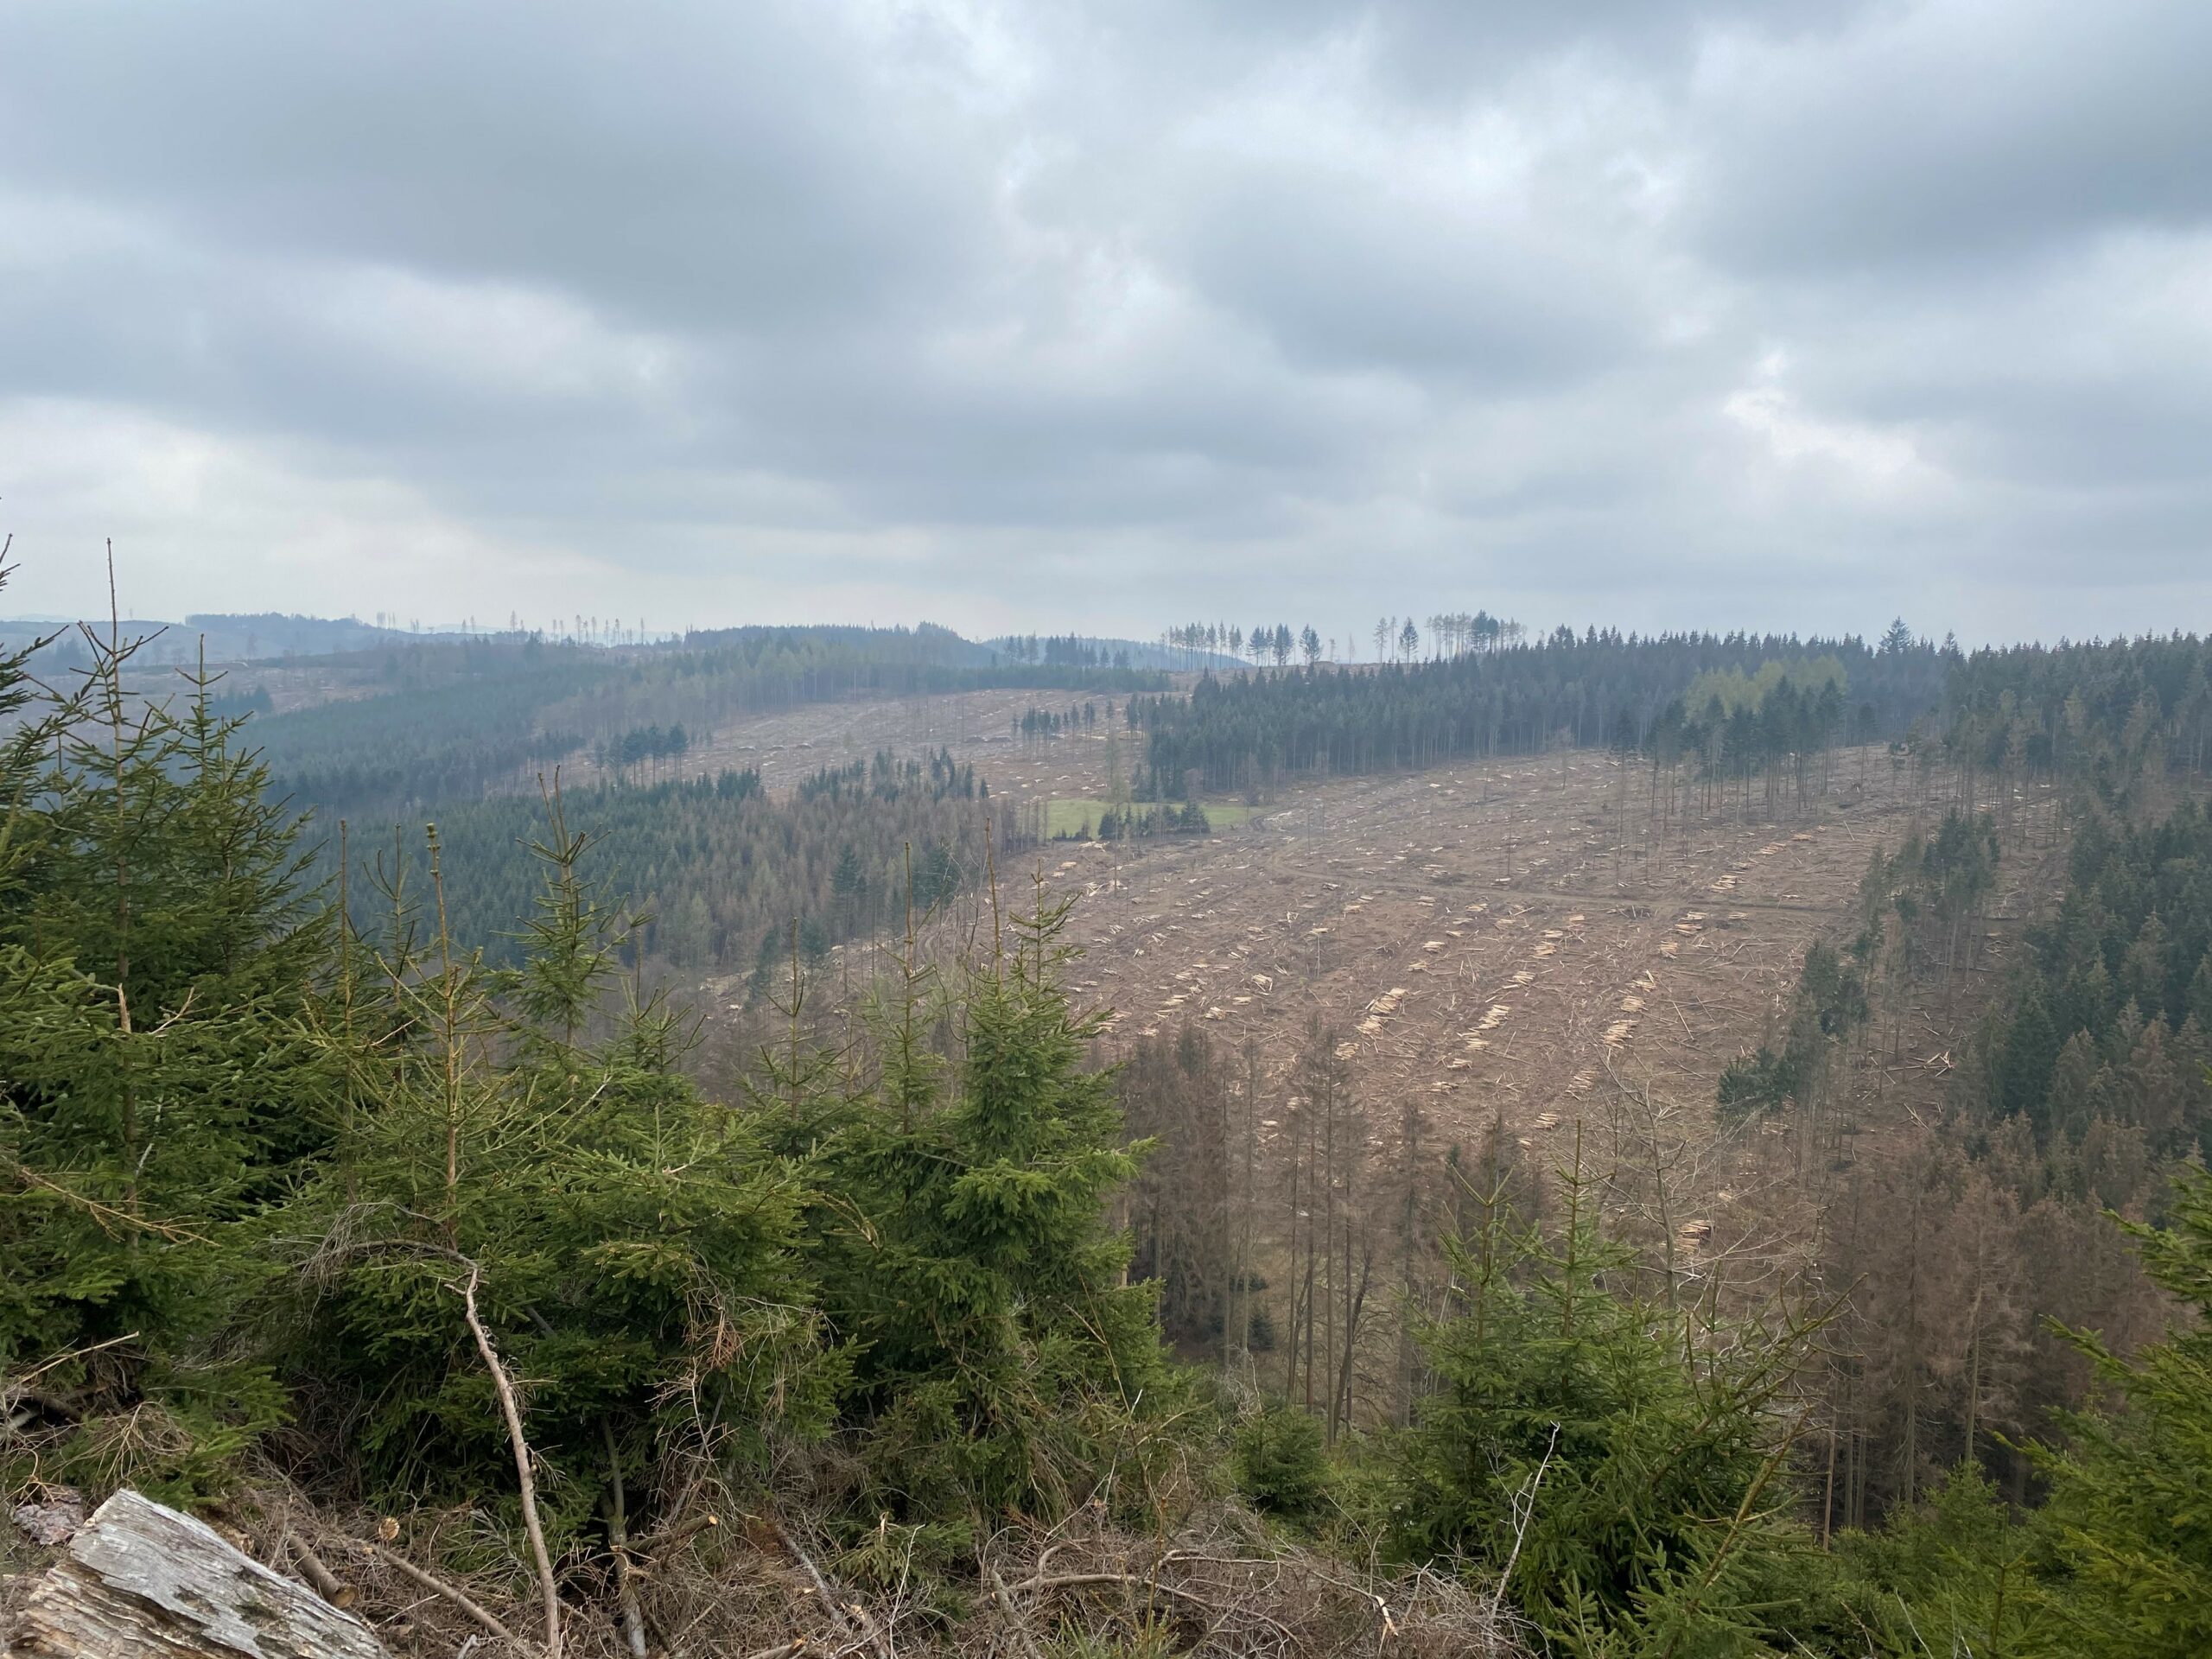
[(142, 1579)]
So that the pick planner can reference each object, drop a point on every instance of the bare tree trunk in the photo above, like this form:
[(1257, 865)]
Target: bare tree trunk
[(1329, 1244), (1912, 1353), (1354, 1306), (549, 1590), (1290, 1326)]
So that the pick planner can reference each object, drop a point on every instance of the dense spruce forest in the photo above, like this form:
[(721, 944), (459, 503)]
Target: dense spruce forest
[(437, 723), (718, 876), (2106, 1021), (1690, 694), (402, 1233)]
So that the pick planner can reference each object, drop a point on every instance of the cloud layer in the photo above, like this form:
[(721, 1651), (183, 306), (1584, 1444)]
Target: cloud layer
[(1662, 314)]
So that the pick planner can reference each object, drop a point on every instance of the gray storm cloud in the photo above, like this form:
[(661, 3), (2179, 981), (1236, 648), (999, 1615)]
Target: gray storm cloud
[(1660, 315)]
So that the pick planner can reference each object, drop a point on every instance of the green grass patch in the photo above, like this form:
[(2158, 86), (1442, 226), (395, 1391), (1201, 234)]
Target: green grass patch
[(1077, 817)]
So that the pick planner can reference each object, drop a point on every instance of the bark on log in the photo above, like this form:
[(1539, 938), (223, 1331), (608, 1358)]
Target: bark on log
[(142, 1579)]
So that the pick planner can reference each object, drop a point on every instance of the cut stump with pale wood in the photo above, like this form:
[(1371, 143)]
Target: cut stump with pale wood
[(138, 1578)]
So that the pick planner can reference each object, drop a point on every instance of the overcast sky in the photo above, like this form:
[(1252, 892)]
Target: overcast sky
[(1055, 314)]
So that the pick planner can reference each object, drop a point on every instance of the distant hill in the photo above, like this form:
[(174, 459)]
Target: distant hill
[(1094, 651), (229, 639), (925, 644), (274, 636), (17, 632), (414, 722), (274, 633)]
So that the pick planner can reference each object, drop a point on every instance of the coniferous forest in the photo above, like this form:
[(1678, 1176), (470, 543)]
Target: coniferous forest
[(714, 873), (1691, 694), (382, 1211)]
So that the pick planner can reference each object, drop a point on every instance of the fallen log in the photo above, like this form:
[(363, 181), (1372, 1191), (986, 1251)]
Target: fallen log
[(138, 1578)]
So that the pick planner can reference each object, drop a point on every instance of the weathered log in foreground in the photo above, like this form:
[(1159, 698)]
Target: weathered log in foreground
[(142, 1580)]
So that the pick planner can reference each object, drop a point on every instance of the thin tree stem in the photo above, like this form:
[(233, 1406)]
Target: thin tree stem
[(548, 1589)]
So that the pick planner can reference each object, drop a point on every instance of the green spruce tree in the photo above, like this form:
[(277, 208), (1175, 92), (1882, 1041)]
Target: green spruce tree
[(158, 965)]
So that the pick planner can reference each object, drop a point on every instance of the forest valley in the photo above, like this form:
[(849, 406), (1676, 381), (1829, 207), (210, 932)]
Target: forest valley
[(408, 1233)]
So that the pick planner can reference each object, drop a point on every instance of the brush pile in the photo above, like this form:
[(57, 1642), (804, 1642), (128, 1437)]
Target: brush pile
[(758, 1585)]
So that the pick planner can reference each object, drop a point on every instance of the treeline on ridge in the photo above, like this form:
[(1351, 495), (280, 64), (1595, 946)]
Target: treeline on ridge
[(1252, 731)]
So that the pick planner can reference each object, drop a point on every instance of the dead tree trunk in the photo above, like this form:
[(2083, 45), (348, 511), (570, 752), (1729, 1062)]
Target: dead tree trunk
[(139, 1579)]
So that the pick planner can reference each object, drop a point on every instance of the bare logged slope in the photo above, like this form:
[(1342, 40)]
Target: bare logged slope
[(1496, 936), (791, 743), (1386, 908)]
